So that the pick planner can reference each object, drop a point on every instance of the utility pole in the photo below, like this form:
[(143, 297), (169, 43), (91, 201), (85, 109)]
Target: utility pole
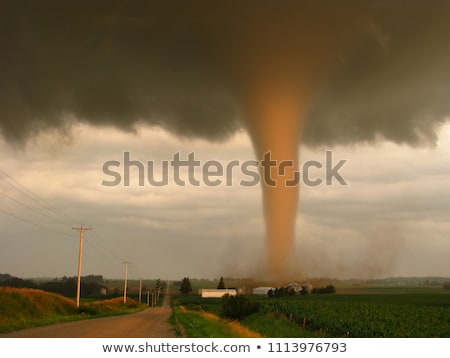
[(157, 289), (140, 290), (125, 284), (81, 230)]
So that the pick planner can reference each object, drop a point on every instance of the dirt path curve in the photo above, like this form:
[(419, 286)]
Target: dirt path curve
[(150, 323)]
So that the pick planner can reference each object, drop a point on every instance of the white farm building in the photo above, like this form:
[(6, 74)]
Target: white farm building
[(264, 291), (217, 293)]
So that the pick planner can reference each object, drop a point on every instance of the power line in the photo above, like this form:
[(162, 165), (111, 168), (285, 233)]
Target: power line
[(50, 210), (135, 271), (33, 196), (105, 248), (31, 208), (31, 223), (104, 245)]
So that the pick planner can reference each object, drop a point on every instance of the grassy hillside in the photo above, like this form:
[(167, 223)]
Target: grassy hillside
[(24, 307)]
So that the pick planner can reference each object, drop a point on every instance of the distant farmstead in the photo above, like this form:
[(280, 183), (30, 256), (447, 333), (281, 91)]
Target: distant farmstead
[(264, 291), (217, 293)]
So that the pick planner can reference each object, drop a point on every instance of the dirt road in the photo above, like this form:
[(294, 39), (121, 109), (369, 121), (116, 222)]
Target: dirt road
[(150, 323)]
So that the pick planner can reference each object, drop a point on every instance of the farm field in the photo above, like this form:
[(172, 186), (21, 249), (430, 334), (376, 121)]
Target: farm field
[(416, 314), (412, 315)]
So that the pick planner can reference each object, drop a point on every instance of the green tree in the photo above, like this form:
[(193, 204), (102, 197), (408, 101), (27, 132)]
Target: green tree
[(221, 285), (237, 307), (186, 286), (327, 289)]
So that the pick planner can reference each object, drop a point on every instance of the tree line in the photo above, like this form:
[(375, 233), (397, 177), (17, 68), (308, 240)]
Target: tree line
[(91, 285)]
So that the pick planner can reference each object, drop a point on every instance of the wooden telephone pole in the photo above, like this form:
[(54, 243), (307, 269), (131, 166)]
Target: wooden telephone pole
[(81, 230), (125, 283)]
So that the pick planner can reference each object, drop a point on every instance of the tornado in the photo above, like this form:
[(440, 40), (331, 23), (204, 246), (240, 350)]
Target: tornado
[(275, 75), (274, 118), (274, 103)]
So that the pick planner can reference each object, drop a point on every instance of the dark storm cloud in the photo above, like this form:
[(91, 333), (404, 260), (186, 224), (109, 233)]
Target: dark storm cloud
[(108, 63), (176, 64), (395, 84)]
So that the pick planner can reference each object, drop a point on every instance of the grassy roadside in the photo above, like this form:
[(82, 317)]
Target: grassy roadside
[(197, 324), (25, 308)]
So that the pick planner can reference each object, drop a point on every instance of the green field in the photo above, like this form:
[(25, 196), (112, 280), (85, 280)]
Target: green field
[(417, 312), (407, 315)]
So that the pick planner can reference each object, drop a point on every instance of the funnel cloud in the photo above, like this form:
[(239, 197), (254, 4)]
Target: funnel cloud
[(290, 72)]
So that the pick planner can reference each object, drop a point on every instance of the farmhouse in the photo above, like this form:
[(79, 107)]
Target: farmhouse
[(262, 290), (217, 293), (297, 288)]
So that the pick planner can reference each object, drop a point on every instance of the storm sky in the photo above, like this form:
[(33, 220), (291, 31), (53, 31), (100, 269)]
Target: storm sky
[(81, 83)]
